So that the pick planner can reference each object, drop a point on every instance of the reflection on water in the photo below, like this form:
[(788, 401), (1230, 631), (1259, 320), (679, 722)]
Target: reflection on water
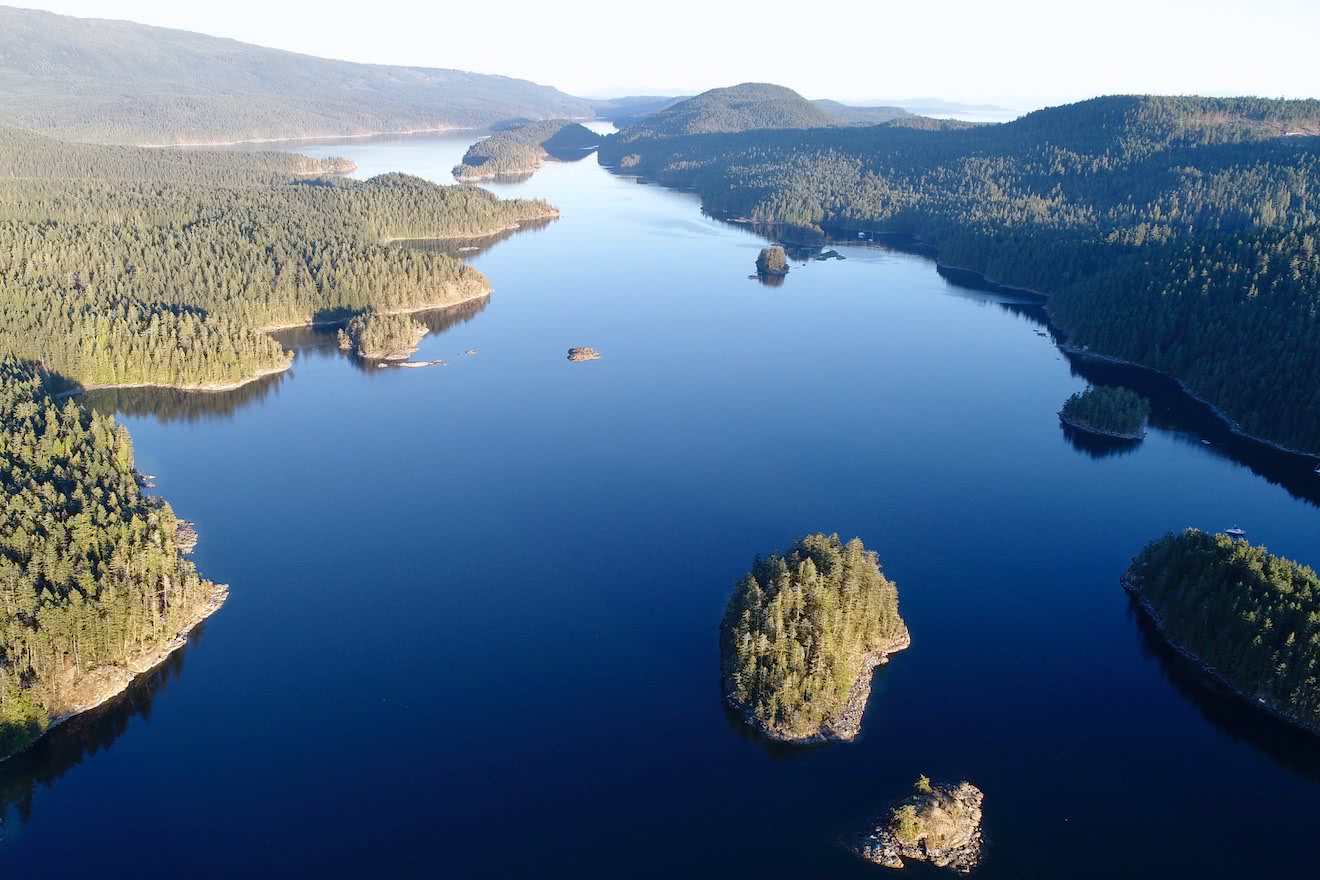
[(467, 248), (82, 736), (1236, 718), (1097, 445), (769, 280), (175, 405)]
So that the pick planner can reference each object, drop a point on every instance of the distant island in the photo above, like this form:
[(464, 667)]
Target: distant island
[(772, 261), (382, 337), (940, 824), (521, 150), (1247, 618), (797, 674), (1109, 411)]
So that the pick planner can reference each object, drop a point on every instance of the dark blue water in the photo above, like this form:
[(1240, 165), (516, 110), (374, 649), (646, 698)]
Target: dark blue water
[(472, 629)]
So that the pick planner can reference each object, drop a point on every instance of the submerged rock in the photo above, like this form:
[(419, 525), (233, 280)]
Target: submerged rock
[(940, 824), (583, 353), (772, 261)]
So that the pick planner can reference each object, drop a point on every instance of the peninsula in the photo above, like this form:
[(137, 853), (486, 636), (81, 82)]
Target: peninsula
[(797, 674), (1107, 411), (1249, 619)]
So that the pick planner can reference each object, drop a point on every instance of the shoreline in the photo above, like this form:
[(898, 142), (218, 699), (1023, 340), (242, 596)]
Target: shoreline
[(1100, 432), (123, 676), (848, 724), (932, 254), (233, 386), (1133, 588), (306, 137)]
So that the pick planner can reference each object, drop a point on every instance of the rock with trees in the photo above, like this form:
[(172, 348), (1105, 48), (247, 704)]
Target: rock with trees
[(381, 337), (772, 261), (802, 635), (940, 824)]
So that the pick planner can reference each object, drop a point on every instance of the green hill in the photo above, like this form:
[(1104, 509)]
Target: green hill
[(737, 108), (120, 82), (521, 149)]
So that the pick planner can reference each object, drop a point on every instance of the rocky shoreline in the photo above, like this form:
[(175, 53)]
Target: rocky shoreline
[(101, 685), (939, 824), (1132, 585), (848, 724)]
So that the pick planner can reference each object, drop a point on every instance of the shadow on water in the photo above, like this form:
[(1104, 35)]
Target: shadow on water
[(1291, 748), (81, 737)]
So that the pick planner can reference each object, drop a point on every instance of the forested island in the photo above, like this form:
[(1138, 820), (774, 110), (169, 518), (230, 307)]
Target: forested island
[(520, 150), (1109, 411), (126, 266), (94, 587), (802, 635), (382, 337), (1247, 618), (940, 824), (1180, 233)]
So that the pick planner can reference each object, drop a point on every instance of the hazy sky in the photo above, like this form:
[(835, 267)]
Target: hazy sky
[(1015, 52)]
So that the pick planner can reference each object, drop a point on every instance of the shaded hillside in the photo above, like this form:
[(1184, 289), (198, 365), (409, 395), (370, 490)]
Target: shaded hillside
[(121, 82), (847, 114)]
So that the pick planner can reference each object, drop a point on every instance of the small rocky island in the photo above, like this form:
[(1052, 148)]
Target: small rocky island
[(793, 673), (1107, 411), (379, 337), (772, 261), (940, 824), (583, 353), (1248, 619)]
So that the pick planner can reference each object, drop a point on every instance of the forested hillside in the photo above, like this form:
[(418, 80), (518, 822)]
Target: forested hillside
[(521, 149), (1179, 233), (1254, 618), (737, 108), (91, 578), (119, 82), (146, 272)]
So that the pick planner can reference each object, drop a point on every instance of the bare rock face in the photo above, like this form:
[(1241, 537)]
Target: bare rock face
[(772, 261), (940, 824), (583, 353)]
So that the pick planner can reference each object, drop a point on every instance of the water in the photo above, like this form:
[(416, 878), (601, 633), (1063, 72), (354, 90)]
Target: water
[(472, 628)]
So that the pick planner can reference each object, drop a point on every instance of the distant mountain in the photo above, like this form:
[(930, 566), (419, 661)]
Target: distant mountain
[(847, 114), (626, 110), (120, 82), (737, 108)]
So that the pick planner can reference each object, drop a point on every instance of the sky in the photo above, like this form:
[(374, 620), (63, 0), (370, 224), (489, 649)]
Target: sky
[(1013, 53)]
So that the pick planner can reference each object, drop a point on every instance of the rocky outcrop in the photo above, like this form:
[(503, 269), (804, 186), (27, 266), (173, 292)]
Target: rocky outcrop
[(772, 261), (583, 353), (940, 824), (185, 536)]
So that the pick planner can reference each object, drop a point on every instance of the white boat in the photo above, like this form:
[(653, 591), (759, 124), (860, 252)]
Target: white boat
[(1235, 532), (1317, 469)]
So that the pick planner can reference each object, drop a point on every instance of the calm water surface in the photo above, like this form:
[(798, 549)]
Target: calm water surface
[(473, 621)]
